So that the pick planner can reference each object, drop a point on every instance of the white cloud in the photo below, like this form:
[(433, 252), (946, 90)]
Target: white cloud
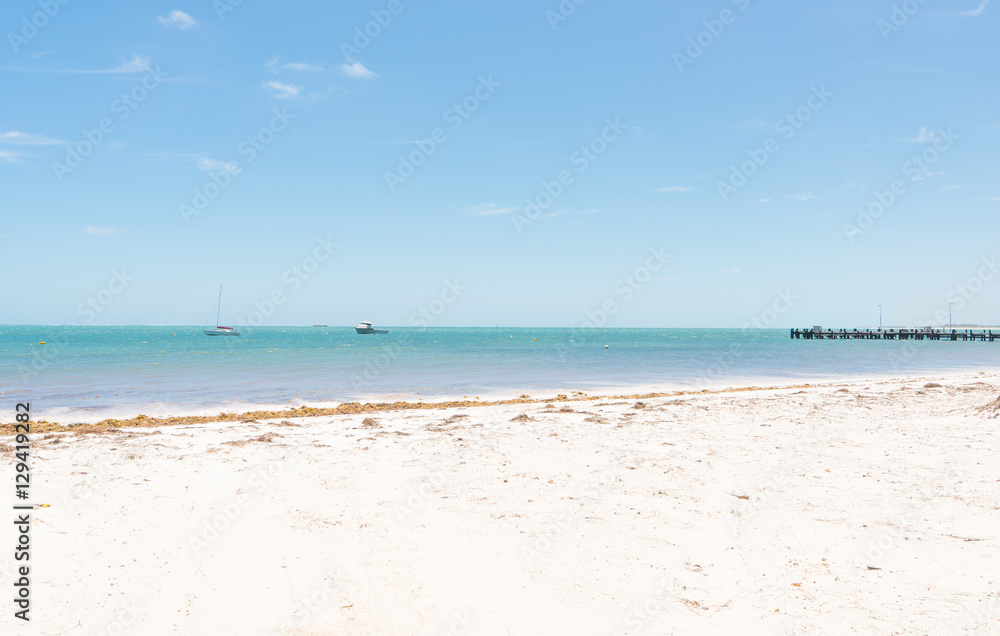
[(302, 66), (356, 69), (488, 209), (951, 187), (993, 199), (93, 230), (282, 90), (138, 64), (177, 20), (10, 157), (803, 197), (674, 189), (214, 165), (28, 139), (274, 65), (753, 124), (763, 200), (923, 137)]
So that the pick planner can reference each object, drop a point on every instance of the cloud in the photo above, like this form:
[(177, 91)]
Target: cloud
[(170, 155), (177, 20), (752, 124), (214, 165), (356, 69), (923, 137), (10, 157), (951, 187), (674, 189), (992, 199), (803, 197), (282, 90), (488, 209), (27, 139), (763, 200), (138, 64), (302, 66), (274, 65), (93, 230)]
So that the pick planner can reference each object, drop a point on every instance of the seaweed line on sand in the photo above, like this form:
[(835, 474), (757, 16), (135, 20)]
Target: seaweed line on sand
[(360, 408)]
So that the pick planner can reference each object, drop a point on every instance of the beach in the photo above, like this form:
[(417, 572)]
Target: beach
[(848, 507)]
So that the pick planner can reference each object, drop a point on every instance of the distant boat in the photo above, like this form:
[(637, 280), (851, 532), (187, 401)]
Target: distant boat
[(321, 325), (366, 328), (219, 329)]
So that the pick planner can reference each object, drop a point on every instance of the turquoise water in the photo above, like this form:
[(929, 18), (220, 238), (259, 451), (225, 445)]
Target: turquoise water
[(98, 371)]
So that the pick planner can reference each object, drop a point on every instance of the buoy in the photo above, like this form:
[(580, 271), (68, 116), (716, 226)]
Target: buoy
[(41, 342), (606, 347), (534, 338)]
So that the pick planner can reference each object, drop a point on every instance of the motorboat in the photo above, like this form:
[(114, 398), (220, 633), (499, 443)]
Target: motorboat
[(366, 328)]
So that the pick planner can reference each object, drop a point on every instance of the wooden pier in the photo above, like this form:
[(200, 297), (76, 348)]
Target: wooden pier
[(817, 333)]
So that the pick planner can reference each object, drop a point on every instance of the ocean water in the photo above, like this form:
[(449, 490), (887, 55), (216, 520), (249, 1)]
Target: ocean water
[(85, 373)]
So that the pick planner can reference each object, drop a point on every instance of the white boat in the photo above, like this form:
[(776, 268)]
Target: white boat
[(365, 327), (219, 329)]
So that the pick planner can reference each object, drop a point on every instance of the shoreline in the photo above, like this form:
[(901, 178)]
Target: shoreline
[(379, 404), (753, 510)]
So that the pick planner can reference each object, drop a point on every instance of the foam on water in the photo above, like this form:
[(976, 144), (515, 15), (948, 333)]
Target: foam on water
[(86, 373)]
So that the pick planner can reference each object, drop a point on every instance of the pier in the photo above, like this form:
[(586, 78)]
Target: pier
[(817, 333)]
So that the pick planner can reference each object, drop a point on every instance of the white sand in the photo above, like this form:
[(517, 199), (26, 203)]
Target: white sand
[(732, 513)]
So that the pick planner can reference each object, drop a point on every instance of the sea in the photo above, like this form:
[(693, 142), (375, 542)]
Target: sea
[(88, 373)]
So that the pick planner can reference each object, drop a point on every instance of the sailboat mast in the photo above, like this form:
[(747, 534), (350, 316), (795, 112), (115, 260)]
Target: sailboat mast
[(218, 311)]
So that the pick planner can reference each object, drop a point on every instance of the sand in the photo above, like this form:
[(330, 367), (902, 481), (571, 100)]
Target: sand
[(861, 508)]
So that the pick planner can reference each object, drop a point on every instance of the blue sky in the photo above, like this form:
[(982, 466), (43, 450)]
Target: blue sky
[(642, 109)]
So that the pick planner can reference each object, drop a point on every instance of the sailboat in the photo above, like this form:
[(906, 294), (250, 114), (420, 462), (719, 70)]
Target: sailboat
[(219, 329)]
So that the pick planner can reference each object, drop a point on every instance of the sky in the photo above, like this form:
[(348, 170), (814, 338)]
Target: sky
[(542, 163)]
